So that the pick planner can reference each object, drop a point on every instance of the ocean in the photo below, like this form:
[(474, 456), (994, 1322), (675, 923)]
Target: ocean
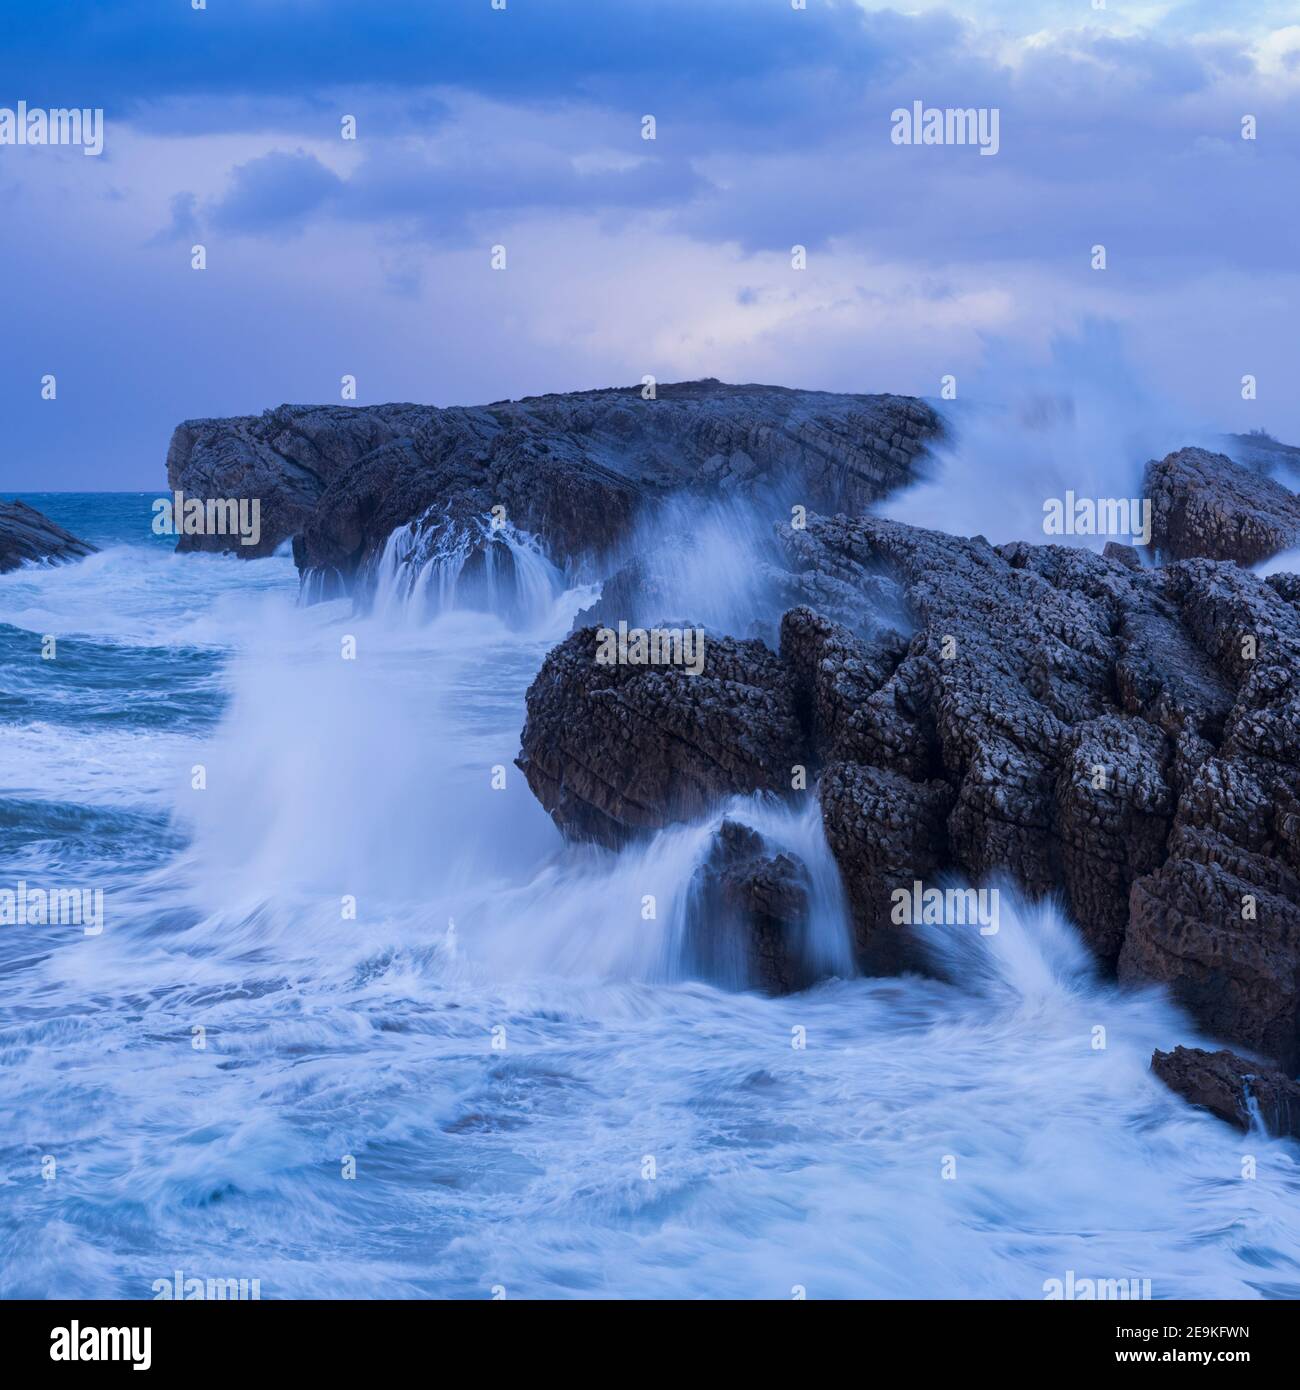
[(359, 1024)]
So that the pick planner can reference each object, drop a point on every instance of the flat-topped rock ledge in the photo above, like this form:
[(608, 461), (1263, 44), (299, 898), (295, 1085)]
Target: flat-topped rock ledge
[(573, 469)]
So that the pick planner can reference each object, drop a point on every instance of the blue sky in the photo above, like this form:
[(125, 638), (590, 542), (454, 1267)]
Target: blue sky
[(476, 127)]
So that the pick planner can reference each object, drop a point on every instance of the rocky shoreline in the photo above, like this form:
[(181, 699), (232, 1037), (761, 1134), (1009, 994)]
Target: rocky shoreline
[(1057, 717), (29, 535), (1123, 735)]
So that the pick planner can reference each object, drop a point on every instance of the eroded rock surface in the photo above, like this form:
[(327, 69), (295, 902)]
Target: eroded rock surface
[(1233, 1088), (26, 534), (1129, 738), (1219, 920), (615, 750), (1080, 723), (1203, 504), (286, 458), (572, 469)]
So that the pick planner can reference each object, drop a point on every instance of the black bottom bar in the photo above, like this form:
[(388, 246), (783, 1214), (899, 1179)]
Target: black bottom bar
[(335, 1338)]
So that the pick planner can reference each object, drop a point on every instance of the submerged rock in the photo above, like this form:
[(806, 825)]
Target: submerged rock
[(747, 909), (1234, 1089), (26, 534)]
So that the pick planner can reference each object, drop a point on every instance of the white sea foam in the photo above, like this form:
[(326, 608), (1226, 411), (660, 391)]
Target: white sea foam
[(507, 1046)]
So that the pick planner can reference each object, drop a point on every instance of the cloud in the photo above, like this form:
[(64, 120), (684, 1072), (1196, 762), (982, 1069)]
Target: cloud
[(731, 54), (444, 196), (184, 224), (275, 194), (671, 256)]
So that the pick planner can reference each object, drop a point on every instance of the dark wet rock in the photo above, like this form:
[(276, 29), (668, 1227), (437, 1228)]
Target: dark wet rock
[(835, 674), (1126, 738), (339, 480), (26, 534), (1125, 554), (1219, 921), (1110, 833), (886, 832), (974, 753), (866, 606), (1237, 977), (613, 750), (859, 596), (459, 466), (573, 469), (1101, 734), (1204, 505), (747, 910), (636, 593), (1233, 1088), (285, 458)]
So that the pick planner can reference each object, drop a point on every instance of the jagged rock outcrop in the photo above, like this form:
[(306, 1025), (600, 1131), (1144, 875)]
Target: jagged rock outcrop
[(1219, 920), (26, 534), (573, 469), (1128, 738), (1234, 1089), (612, 750), (999, 730), (884, 829), (1203, 504), (748, 904), (886, 833)]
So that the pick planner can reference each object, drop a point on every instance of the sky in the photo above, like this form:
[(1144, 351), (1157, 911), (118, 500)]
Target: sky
[(1120, 125)]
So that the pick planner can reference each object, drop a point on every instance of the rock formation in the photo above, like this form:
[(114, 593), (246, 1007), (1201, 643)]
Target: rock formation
[(616, 750), (1260, 452), (572, 469), (747, 904), (26, 534), (1234, 1089), (1127, 737), (1203, 504)]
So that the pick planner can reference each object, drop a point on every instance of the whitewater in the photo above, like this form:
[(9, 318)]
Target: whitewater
[(360, 1024)]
